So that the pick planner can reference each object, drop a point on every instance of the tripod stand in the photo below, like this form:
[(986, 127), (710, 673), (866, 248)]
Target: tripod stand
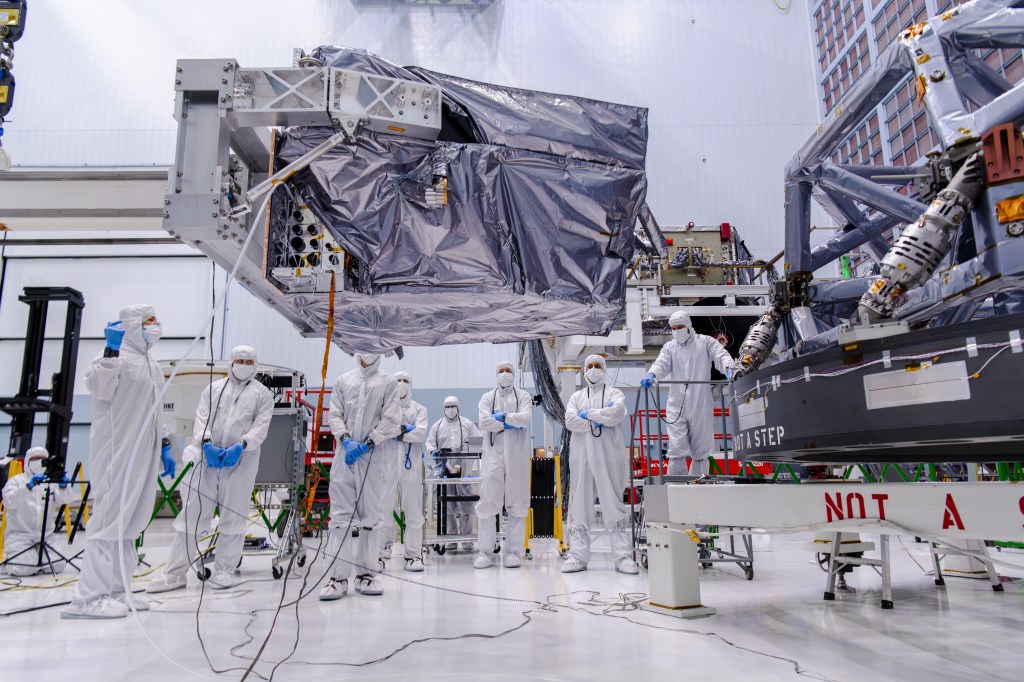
[(41, 554)]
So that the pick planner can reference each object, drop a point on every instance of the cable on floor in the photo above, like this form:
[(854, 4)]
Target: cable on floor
[(628, 602)]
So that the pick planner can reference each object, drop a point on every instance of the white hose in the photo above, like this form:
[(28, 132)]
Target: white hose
[(157, 403)]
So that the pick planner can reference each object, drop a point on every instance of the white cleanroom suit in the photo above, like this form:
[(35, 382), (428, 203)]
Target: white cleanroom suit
[(234, 410), (597, 464), (505, 468), (403, 475), (25, 502), (689, 412), (365, 411), (452, 432), (123, 390)]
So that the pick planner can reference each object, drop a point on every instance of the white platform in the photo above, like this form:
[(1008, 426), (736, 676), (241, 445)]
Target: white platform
[(962, 632)]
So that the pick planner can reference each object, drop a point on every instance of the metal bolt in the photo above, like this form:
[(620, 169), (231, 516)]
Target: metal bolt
[(349, 124), (937, 75), (400, 112), (167, 202), (178, 69), (425, 116), (227, 66), (213, 215), (1015, 229), (224, 81), (177, 81), (166, 214)]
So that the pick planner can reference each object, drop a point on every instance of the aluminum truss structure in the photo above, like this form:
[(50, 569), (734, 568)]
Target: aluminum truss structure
[(225, 116), (964, 97), (888, 367)]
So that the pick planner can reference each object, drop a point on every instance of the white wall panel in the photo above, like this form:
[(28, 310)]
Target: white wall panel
[(11, 354), (177, 287)]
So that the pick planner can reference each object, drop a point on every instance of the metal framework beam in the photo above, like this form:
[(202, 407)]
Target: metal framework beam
[(936, 52), (955, 511), (82, 199)]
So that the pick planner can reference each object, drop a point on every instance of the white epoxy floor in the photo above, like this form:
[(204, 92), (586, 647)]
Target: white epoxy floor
[(536, 623)]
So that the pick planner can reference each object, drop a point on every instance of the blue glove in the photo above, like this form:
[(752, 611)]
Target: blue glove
[(498, 416), (435, 453), (233, 454), (214, 455), (167, 457), (36, 480), (584, 413), (406, 428), (610, 404), (64, 481), (728, 375), (114, 334), (598, 424), (648, 381), (354, 450)]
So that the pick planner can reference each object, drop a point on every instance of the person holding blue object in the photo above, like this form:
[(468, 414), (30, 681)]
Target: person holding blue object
[(505, 414), (123, 381), (231, 424), (452, 433), (24, 498), (365, 413), (598, 462), (689, 413), (403, 477)]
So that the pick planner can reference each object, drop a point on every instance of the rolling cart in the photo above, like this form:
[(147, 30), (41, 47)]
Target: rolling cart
[(647, 465), (279, 484), (439, 485)]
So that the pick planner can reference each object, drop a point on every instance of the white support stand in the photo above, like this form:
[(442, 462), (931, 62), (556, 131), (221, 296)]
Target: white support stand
[(959, 512), (673, 572), (838, 560), (968, 565)]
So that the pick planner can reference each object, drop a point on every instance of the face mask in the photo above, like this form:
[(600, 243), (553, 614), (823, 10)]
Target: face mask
[(152, 333), (243, 372), (682, 335), (367, 359), (451, 412), (403, 389), (594, 375), (505, 379)]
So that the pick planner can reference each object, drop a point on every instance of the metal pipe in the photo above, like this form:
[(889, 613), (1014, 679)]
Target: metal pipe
[(917, 253), (291, 169)]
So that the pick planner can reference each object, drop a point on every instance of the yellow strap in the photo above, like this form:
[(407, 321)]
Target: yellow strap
[(314, 479)]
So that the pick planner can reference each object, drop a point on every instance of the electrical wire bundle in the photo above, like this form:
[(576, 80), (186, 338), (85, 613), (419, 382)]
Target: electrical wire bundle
[(554, 408)]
